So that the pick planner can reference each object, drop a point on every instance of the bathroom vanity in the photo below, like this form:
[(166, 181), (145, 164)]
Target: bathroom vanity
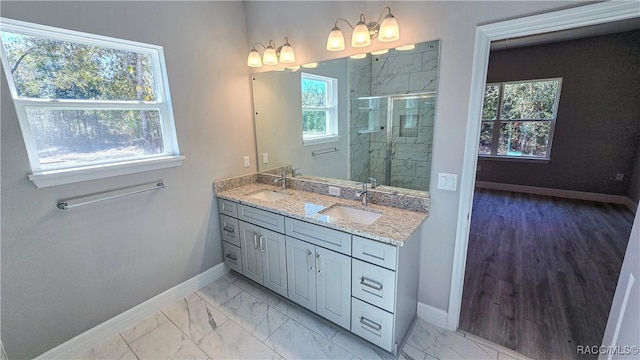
[(352, 265)]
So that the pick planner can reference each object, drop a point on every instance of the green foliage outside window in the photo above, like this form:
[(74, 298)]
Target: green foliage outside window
[(45, 68), (523, 123)]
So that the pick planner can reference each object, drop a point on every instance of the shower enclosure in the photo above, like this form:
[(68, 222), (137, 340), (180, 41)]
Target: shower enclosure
[(391, 138)]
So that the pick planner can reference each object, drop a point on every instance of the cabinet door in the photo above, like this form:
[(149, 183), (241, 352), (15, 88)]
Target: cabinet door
[(251, 255), (333, 276), (274, 261), (301, 273)]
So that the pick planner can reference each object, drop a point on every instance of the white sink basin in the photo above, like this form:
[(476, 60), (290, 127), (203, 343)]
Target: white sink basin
[(351, 214), (267, 195)]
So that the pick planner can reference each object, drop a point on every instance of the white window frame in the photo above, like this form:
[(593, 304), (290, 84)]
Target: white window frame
[(331, 110), (97, 169), (495, 136)]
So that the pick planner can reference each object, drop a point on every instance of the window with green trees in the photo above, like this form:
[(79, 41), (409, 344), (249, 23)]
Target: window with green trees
[(518, 118), (84, 100), (319, 107)]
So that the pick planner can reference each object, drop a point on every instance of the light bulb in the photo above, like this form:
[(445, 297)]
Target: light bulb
[(253, 60), (335, 41), (269, 57), (389, 30), (360, 36), (287, 56)]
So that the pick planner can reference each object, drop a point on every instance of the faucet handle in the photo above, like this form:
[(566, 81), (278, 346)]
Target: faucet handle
[(374, 182)]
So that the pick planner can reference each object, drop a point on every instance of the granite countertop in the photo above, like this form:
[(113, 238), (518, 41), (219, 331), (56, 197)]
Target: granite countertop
[(395, 225)]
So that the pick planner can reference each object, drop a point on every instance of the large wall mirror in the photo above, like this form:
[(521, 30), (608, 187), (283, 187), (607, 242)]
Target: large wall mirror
[(352, 119)]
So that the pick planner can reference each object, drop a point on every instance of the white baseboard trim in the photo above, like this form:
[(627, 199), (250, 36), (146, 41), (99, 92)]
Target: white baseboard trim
[(433, 315), (74, 347), (568, 194)]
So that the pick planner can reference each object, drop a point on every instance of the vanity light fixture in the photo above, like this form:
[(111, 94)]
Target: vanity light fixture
[(312, 65), (386, 31), (272, 55), (358, 56)]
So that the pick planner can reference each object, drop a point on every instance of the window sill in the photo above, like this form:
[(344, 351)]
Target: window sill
[(513, 158), (321, 140), (48, 178)]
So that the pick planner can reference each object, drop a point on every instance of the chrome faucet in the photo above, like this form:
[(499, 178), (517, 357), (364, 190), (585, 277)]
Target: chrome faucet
[(283, 178), (374, 182), (295, 172), (364, 194)]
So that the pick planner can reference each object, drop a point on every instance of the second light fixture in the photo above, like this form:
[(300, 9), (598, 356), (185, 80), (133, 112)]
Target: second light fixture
[(271, 55), (385, 31)]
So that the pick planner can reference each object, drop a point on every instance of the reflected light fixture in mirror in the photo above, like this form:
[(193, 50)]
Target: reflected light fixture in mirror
[(386, 30), (271, 56)]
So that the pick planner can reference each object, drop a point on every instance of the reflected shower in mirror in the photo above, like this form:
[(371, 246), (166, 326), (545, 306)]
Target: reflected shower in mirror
[(352, 119)]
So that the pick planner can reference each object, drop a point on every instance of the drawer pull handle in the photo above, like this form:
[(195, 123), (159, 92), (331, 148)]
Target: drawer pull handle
[(370, 284), (229, 229), (370, 253), (262, 248), (370, 324), (232, 257), (309, 260)]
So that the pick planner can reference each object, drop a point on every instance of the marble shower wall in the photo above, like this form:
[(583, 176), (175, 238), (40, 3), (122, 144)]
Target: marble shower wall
[(395, 73)]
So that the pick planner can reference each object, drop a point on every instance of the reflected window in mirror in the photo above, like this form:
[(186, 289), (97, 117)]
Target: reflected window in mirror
[(319, 108)]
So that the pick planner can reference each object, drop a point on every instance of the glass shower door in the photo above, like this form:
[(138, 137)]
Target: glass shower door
[(409, 141)]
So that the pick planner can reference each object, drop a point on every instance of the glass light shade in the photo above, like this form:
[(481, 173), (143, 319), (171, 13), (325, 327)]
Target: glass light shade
[(358, 56), (312, 65), (269, 57), (389, 30), (360, 36), (380, 52), (253, 60), (335, 41), (287, 56)]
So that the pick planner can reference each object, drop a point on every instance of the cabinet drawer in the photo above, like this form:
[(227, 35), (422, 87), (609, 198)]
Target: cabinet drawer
[(232, 257), (327, 238), (375, 252), (373, 284), (228, 208), (265, 219), (229, 229), (371, 323)]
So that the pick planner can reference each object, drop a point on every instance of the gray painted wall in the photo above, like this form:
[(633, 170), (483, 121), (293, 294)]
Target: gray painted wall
[(597, 131), (65, 272), (454, 23)]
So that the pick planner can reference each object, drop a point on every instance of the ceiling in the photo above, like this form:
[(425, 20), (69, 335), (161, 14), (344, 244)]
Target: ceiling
[(565, 35)]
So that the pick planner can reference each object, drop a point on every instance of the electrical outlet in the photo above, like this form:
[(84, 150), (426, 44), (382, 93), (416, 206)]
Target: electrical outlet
[(265, 158), (619, 177), (246, 161), (334, 190)]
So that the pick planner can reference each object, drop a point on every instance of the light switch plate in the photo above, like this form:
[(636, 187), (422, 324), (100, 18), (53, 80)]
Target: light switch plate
[(265, 158), (246, 161), (447, 181), (333, 190)]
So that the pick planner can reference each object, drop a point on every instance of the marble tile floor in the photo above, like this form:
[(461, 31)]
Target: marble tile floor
[(234, 318)]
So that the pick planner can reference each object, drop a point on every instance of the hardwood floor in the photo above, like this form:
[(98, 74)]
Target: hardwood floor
[(541, 271)]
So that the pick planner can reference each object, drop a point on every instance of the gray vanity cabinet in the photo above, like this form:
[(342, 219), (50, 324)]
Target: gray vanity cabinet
[(263, 257), (320, 280), (365, 286)]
